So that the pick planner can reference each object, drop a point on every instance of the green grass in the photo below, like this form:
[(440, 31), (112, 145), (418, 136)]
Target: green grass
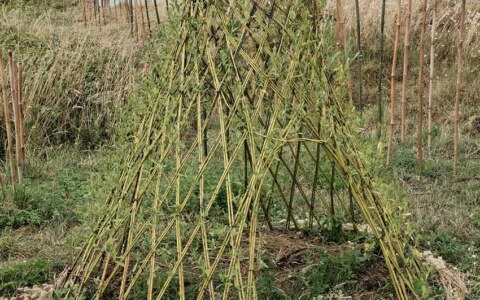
[(26, 273), (445, 215), (44, 220)]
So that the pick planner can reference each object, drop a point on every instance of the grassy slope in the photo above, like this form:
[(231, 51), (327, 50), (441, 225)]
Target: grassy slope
[(41, 221)]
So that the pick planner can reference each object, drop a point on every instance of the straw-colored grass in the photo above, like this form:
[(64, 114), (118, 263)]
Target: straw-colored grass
[(74, 77), (448, 12)]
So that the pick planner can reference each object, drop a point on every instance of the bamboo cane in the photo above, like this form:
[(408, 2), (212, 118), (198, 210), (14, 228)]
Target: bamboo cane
[(380, 72), (84, 8), (142, 19), (156, 11), (126, 6), (21, 112), (94, 10), (203, 221), (109, 5), (122, 13), (105, 11), (16, 117), (6, 113), (332, 192), (432, 69), (343, 31), (406, 50), (178, 226), (360, 58), (420, 87), (294, 180), (135, 20), (130, 16), (338, 29), (393, 80), (115, 10), (315, 181), (461, 41), (148, 19)]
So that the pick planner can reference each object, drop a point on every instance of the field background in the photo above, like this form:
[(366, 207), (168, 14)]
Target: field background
[(86, 89)]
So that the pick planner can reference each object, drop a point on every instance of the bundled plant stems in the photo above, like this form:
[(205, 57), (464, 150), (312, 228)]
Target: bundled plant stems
[(16, 92), (393, 79), (406, 51), (420, 86), (452, 280), (432, 69), (244, 79), (461, 40)]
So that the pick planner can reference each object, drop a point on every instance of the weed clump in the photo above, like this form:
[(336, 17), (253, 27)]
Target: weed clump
[(25, 274)]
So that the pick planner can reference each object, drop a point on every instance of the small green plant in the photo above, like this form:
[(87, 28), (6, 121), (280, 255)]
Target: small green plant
[(267, 288), (333, 269), (15, 218), (66, 293), (452, 250), (25, 274), (331, 230), (37, 205), (405, 160)]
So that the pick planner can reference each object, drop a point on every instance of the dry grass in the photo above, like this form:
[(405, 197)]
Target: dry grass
[(445, 48), (448, 12), (75, 77)]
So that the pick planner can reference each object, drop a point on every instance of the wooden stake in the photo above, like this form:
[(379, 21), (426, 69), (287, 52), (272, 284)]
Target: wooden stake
[(156, 11), (406, 51), (420, 87), (115, 10), (432, 68), (393, 80), (148, 18), (461, 42), (359, 49), (130, 16), (13, 86), (109, 9), (338, 30), (84, 5), (142, 19), (94, 10), (380, 72), (102, 12), (135, 20), (6, 113), (20, 112)]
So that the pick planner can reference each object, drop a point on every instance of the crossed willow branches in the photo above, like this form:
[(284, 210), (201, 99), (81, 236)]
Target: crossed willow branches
[(263, 89)]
